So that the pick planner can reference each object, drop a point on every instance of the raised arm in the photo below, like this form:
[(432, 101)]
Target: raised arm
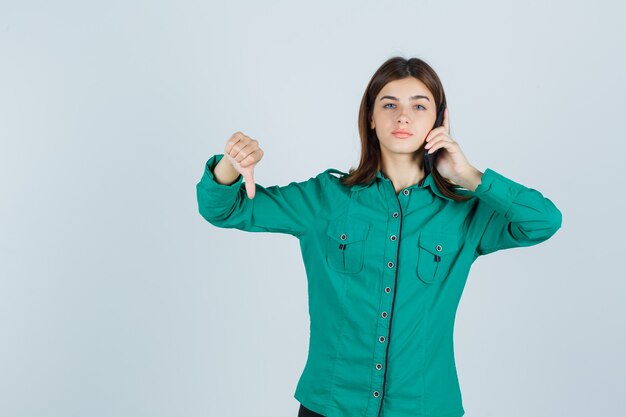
[(225, 201), (510, 214)]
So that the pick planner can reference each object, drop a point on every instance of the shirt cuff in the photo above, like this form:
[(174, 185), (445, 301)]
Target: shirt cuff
[(497, 190), (208, 178), (216, 194)]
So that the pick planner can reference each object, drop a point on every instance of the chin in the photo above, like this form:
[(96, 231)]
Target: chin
[(401, 148), (406, 150)]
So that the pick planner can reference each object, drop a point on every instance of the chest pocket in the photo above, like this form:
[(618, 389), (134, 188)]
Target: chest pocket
[(435, 254), (345, 245)]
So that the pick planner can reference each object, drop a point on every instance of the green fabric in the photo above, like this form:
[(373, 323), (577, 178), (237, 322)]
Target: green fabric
[(373, 275)]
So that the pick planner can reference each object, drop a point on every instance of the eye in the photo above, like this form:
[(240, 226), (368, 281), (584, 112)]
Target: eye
[(386, 106)]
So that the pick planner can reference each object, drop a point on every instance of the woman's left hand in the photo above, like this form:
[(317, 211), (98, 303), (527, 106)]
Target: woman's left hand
[(451, 162)]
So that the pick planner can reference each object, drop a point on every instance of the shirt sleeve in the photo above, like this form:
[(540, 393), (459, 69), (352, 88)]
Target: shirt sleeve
[(511, 215), (277, 209)]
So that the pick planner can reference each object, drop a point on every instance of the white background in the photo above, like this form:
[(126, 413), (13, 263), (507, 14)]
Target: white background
[(118, 299)]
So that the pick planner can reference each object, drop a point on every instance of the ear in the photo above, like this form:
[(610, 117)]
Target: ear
[(372, 124)]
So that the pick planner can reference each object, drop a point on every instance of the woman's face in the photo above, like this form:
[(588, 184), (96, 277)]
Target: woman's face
[(404, 113)]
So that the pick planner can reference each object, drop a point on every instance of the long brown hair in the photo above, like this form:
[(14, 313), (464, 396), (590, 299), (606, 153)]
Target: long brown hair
[(395, 68)]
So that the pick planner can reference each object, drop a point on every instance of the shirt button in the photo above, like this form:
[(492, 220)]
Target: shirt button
[(387, 290), (343, 236), (376, 394), (379, 366), (384, 314), (390, 264), (405, 192), (439, 247), (393, 237), (395, 214), (381, 339)]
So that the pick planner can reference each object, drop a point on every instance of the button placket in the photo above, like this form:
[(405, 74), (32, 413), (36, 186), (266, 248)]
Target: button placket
[(386, 306)]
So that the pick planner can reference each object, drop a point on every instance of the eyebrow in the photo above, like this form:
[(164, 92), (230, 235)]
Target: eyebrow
[(412, 98)]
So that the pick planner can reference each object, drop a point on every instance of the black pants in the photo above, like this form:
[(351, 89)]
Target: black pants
[(305, 412)]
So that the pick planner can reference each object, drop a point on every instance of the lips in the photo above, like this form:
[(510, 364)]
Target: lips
[(401, 133)]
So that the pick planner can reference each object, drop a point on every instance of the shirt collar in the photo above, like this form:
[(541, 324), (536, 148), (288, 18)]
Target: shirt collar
[(429, 182)]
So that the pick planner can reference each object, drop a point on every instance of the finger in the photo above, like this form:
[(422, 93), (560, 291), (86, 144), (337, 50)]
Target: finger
[(434, 142), (248, 177), (246, 153), (431, 146), (253, 157), (446, 119), (434, 132), (442, 143), (434, 135), (248, 164), (234, 140), (247, 147)]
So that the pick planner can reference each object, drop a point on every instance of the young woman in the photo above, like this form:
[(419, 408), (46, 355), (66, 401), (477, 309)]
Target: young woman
[(387, 247)]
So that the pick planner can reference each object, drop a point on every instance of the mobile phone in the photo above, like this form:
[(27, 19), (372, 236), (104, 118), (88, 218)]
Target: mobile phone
[(429, 159)]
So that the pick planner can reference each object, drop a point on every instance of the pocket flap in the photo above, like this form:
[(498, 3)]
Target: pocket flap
[(347, 231), (439, 243)]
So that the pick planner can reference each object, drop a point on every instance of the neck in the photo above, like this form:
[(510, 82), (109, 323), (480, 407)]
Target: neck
[(403, 170)]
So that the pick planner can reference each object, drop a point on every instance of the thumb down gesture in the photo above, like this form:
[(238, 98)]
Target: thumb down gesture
[(243, 153)]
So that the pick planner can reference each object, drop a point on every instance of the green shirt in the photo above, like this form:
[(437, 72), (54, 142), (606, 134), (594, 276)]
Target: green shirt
[(385, 274)]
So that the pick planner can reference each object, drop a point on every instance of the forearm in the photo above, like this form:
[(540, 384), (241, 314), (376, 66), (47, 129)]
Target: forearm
[(280, 209), (224, 172), (513, 215)]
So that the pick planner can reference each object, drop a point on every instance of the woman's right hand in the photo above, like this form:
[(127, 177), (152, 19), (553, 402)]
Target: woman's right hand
[(244, 153)]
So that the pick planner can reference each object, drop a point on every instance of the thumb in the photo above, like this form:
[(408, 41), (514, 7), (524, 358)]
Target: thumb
[(247, 174), (248, 177)]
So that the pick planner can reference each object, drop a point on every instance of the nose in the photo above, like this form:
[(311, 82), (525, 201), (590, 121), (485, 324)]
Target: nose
[(403, 118)]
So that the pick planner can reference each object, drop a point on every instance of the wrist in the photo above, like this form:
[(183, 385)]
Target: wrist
[(224, 172), (470, 179)]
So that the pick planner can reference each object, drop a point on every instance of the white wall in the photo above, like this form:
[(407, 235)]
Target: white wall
[(118, 299)]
